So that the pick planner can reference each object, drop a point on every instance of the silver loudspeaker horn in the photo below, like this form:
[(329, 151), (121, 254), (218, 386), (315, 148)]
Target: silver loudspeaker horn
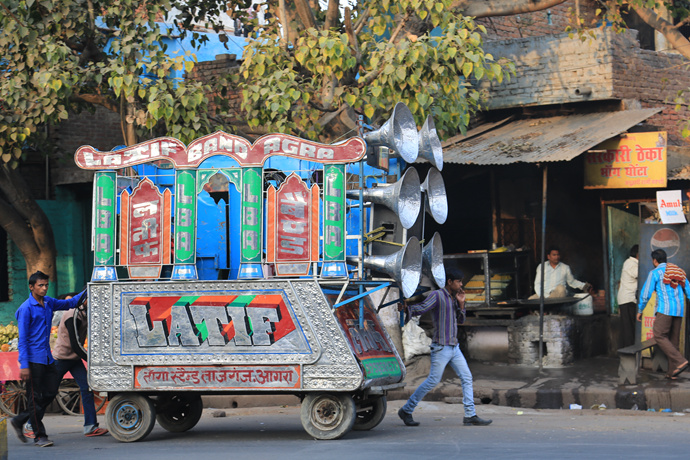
[(435, 199), (404, 266), (432, 261), (404, 197), (399, 133), (430, 145)]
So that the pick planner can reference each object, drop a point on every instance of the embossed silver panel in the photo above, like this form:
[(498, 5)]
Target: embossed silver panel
[(179, 338), (336, 369), (329, 366)]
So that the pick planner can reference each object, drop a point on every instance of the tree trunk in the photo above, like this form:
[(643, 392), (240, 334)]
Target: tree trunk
[(673, 35), (26, 224), (492, 8)]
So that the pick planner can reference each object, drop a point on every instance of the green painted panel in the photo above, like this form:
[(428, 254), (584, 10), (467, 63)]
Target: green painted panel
[(334, 213), (381, 367), (185, 217), (252, 216), (106, 218)]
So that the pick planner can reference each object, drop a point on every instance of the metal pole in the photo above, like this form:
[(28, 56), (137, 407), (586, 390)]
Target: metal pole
[(608, 285), (362, 210), (543, 257)]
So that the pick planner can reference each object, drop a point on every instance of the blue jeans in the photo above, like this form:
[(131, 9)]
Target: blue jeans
[(441, 355), (78, 371)]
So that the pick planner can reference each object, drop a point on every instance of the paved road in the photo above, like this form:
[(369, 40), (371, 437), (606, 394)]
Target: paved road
[(277, 434)]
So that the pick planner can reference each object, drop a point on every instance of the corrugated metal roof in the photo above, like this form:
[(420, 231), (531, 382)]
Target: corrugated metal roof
[(538, 140)]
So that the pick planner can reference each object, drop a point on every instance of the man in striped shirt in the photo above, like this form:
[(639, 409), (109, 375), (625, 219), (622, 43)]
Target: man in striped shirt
[(445, 305), (669, 283)]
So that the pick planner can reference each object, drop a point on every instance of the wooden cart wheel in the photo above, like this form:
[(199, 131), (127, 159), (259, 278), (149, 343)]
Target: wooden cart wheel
[(178, 412), (130, 417), (370, 413), (13, 397), (328, 416), (69, 398)]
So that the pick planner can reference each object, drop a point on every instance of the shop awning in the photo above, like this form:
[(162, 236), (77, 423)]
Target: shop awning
[(539, 140)]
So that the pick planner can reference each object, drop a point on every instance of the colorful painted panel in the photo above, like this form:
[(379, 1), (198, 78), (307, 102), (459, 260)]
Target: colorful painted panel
[(169, 148), (220, 143), (203, 324), (146, 229), (369, 344), (293, 212)]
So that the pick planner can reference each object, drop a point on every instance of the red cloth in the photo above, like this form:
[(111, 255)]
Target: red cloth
[(674, 275)]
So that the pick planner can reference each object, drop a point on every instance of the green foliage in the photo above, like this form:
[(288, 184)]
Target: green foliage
[(289, 88), (58, 57)]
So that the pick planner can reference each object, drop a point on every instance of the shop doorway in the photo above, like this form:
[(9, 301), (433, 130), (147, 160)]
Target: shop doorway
[(623, 231)]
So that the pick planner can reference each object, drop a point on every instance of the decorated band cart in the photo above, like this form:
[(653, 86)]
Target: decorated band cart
[(226, 267)]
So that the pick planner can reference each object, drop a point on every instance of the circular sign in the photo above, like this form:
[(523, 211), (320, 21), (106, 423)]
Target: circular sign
[(666, 239)]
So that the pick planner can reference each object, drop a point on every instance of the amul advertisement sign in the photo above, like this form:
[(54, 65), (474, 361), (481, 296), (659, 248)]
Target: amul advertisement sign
[(634, 160)]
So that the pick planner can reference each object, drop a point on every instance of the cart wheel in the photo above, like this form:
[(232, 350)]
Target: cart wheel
[(13, 398), (130, 417), (370, 412), (178, 412), (69, 398), (328, 416)]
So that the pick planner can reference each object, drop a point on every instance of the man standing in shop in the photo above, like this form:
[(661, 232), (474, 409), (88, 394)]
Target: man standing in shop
[(445, 305), (627, 297), (669, 282), (557, 277), (36, 364)]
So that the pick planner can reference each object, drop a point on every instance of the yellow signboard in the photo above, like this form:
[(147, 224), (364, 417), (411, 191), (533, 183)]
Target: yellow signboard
[(633, 160)]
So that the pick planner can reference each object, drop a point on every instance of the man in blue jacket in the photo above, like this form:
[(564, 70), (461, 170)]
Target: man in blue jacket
[(671, 285), (36, 364)]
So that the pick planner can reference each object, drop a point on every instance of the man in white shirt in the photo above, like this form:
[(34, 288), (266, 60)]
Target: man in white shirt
[(558, 277), (627, 297)]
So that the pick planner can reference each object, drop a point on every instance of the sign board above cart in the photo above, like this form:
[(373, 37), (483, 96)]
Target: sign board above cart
[(220, 143)]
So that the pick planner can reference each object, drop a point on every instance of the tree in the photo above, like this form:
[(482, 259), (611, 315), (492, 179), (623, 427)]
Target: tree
[(61, 57), (612, 11), (312, 79), (330, 65), (425, 53)]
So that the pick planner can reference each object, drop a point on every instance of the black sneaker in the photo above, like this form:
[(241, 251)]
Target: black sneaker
[(475, 420), (43, 442), (407, 418), (18, 429)]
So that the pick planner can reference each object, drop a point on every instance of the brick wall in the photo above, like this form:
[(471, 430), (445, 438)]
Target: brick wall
[(210, 72), (100, 129), (552, 69), (537, 24), (653, 78)]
